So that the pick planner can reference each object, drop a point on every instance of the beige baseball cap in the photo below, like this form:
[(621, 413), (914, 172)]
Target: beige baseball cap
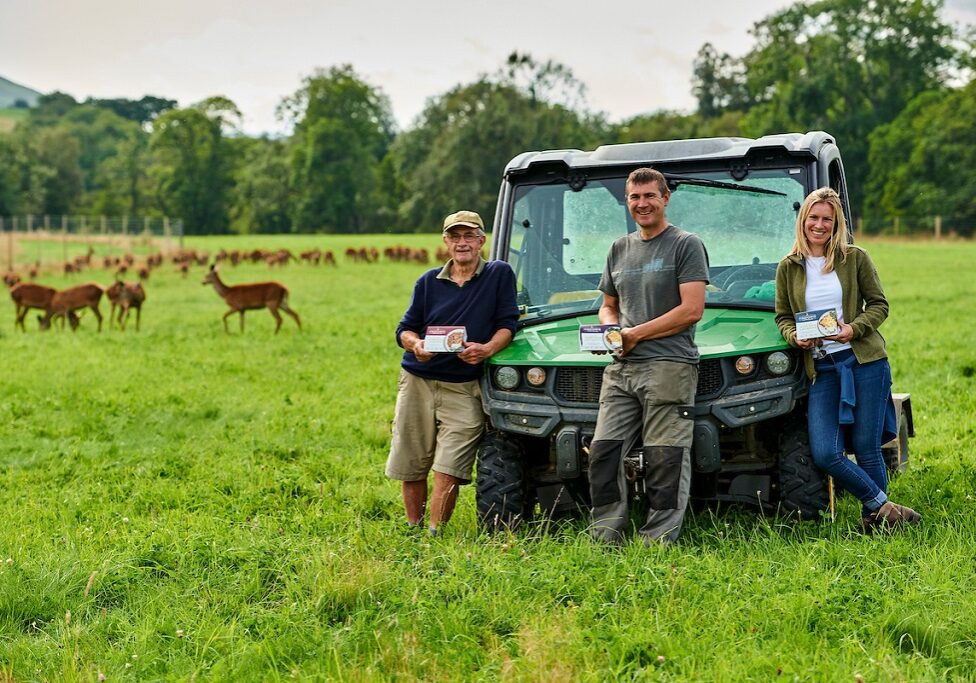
[(468, 219)]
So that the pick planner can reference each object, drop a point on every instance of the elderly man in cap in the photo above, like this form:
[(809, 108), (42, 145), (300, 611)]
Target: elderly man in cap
[(438, 420)]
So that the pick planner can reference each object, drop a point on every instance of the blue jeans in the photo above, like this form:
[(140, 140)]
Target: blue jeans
[(868, 477)]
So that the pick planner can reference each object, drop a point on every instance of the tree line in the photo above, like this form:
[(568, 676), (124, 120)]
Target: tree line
[(889, 78)]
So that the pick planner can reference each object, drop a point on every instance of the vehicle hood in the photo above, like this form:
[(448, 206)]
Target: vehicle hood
[(720, 332)]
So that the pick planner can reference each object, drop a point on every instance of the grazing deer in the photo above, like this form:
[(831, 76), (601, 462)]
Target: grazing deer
[(132, 296), (114, 293), (64, 303), (27, 295), (240, 298)]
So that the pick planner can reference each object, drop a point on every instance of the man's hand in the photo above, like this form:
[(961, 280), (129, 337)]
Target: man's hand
[(475, 353), (630, 339), (422, 354)]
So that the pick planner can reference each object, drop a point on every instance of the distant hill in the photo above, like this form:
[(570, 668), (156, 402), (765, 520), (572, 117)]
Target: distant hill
[(10, 92)]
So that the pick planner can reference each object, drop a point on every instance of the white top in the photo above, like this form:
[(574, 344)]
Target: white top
[(824, 291)]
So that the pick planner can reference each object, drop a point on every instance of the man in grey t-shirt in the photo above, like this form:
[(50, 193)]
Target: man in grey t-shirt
[(654, 288)]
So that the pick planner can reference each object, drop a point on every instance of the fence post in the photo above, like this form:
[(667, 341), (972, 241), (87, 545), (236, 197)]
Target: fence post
[(938, 227)]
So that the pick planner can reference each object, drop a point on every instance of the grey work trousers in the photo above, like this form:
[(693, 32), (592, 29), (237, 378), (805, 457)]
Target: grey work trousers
[(651, 401)]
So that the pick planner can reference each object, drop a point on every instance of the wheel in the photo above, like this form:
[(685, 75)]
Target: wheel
[(802, 485), (501, 490), (896, 457)]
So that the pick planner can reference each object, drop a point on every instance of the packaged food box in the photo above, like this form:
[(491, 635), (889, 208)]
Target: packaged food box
[(816, 324), (445, 339), (600, 338)]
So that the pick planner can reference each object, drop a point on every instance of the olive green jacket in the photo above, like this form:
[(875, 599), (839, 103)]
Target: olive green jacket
[(864, 302)]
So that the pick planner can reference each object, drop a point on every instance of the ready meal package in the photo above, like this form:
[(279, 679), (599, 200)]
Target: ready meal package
[(600, 338), (816, 324), (445, 339)]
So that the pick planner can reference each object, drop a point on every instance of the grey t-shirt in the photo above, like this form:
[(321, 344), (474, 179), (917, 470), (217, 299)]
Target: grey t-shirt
[(644, 276)]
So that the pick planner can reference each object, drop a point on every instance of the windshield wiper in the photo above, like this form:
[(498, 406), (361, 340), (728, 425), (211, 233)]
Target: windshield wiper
[(674, 181), (552, 312)]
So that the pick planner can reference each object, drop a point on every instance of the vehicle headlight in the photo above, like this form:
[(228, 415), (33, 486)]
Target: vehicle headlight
[(778, 363), (744, 365), (506, 377), (535, 376)]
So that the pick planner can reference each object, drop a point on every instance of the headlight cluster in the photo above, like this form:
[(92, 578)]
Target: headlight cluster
[(777, 363), (508, 378)]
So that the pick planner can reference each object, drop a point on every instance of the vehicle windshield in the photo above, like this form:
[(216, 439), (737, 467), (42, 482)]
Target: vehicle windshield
[(560, 236)]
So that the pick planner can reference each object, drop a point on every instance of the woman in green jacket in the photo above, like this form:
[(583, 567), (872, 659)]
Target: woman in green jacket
[(849, 371)]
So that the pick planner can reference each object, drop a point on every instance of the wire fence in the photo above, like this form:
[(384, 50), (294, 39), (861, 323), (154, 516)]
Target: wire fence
[(936, 227), (42, 241)]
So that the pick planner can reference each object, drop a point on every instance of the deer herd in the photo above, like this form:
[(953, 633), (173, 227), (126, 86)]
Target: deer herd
[(66, 306)]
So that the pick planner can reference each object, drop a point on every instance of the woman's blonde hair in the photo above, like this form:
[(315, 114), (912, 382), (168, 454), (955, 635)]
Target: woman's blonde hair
[(839, 238)]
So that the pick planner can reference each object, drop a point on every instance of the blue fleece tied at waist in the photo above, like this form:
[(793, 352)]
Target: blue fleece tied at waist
[(848, 397)]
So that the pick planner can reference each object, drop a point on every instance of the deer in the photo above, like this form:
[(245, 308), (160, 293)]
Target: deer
[(114, 293), (131, 296), (65, 302), (253, 296), (27, 295)]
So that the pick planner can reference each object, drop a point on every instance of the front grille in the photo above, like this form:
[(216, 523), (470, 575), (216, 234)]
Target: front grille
[(579, 385), (582, 385), (709, 378)]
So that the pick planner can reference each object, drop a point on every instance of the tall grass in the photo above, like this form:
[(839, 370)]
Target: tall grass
[(183, 504)]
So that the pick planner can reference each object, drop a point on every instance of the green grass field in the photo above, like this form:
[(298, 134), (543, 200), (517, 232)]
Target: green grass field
[(181, 504)]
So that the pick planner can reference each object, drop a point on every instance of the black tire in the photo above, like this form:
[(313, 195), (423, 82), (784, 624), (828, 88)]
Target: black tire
[(896, 459), (501, 491), (802, 485)]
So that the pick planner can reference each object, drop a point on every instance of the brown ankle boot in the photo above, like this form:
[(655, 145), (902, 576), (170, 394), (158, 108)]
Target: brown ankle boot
[(889, 516)]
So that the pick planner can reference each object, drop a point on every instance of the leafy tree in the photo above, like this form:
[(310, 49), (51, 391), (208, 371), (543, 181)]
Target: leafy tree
[(719, 83), (9, 177), (548, 82), (141, 111), (22, 176), (454, 156), (51, 107), (667, 125), (262, 191), (922, 162), (58, 152), (120, 186), (99, 132), (193, 163), (343, 128), (846, 66)]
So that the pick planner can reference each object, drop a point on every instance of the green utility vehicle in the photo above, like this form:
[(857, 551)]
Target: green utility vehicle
[(557, 214)]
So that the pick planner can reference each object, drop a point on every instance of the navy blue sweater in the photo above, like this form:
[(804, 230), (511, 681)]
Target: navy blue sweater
[(484, 305)]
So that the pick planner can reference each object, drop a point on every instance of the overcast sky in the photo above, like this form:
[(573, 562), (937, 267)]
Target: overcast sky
[(633, 57)]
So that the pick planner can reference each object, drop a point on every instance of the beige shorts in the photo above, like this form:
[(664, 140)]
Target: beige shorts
[(436, 425)]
